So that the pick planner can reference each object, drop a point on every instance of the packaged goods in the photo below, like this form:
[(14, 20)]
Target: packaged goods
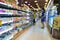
[(15, 12), (57, 21), (0, 22), (56, 27)]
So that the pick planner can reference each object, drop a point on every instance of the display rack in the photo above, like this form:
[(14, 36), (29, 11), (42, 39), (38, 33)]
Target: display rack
[(13, 21), (10, 7), (53, 21), (56, 27), (10, 28)]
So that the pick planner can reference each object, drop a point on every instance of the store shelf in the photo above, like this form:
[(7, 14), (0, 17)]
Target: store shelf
[(5, 15), (18, 34), (12, 25), (6, 6), (21, 32), (8, 29), (5, 22), (8, 37), (1, 13)]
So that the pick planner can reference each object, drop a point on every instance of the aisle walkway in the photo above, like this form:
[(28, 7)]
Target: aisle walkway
[(35, 33)]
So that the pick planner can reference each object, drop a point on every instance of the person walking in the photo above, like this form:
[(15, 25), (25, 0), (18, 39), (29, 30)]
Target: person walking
[(43, 17), (34, 15)]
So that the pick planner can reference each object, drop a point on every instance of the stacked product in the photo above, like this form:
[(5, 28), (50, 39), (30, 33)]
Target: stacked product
[(11, 21), (26, 19), (56, 27), (10, 3)]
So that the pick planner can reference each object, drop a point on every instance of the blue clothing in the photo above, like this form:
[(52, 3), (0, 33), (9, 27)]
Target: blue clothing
[(43, 18), (43, 13)]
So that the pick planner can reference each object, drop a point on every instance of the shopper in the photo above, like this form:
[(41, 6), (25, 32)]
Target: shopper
[(34, 15), (43, 17)]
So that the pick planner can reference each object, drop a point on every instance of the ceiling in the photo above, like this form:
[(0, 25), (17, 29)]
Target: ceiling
[(32, 3), (57, 1)]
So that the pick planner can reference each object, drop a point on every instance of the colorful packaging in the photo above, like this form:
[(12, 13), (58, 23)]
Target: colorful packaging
[(1, 0), (0, 22)]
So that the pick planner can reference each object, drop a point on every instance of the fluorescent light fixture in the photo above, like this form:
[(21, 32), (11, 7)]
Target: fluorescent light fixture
[(29, 4), (45, 3), (35, 1), (46, 0), (26, 2)]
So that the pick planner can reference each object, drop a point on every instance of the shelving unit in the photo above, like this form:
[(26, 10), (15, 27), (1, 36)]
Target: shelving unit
[(56, 27), (13, 20), (10, 7), (52, 22), (8, 29)]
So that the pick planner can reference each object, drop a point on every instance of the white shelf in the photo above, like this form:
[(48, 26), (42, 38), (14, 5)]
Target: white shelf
[(4, 22), (8, 6), (6, 13), (8, 29), (5, 4)]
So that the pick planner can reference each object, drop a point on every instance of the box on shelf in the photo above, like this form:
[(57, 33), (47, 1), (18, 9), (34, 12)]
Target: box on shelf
[(11, 2), (15, 12), (16, 19), (0, 22), (57, 21)]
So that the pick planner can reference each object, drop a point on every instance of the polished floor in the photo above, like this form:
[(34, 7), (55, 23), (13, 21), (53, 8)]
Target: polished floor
[(35, 33)]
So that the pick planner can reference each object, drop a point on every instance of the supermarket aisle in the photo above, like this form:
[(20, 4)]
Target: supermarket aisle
[(35, 33)]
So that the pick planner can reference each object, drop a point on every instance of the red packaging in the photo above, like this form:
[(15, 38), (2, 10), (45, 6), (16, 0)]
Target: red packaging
[(1, 0)]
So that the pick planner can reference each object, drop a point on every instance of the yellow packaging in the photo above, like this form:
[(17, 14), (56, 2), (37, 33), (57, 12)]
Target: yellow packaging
[(57, 20), (0, 22)]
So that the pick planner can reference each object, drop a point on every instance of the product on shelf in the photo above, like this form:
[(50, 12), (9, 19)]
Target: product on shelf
[(10, 3), (10, 26), (5, 11), (57, 22), (20, 12), (1, 0), (56, 27), (6, 20), (0, 22), (5, 29), (15, 12), (16, 19)]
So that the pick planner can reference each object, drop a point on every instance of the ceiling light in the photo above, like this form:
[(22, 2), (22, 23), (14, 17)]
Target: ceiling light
[(35, 1), (46, 0), (45, 3), (25, 1), (29, 4)]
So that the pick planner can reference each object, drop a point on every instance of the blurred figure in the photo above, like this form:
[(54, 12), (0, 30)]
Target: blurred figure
[(43, 17), (34, 18)]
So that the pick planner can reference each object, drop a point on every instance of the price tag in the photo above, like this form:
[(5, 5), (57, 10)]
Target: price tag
[(0, 22)]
